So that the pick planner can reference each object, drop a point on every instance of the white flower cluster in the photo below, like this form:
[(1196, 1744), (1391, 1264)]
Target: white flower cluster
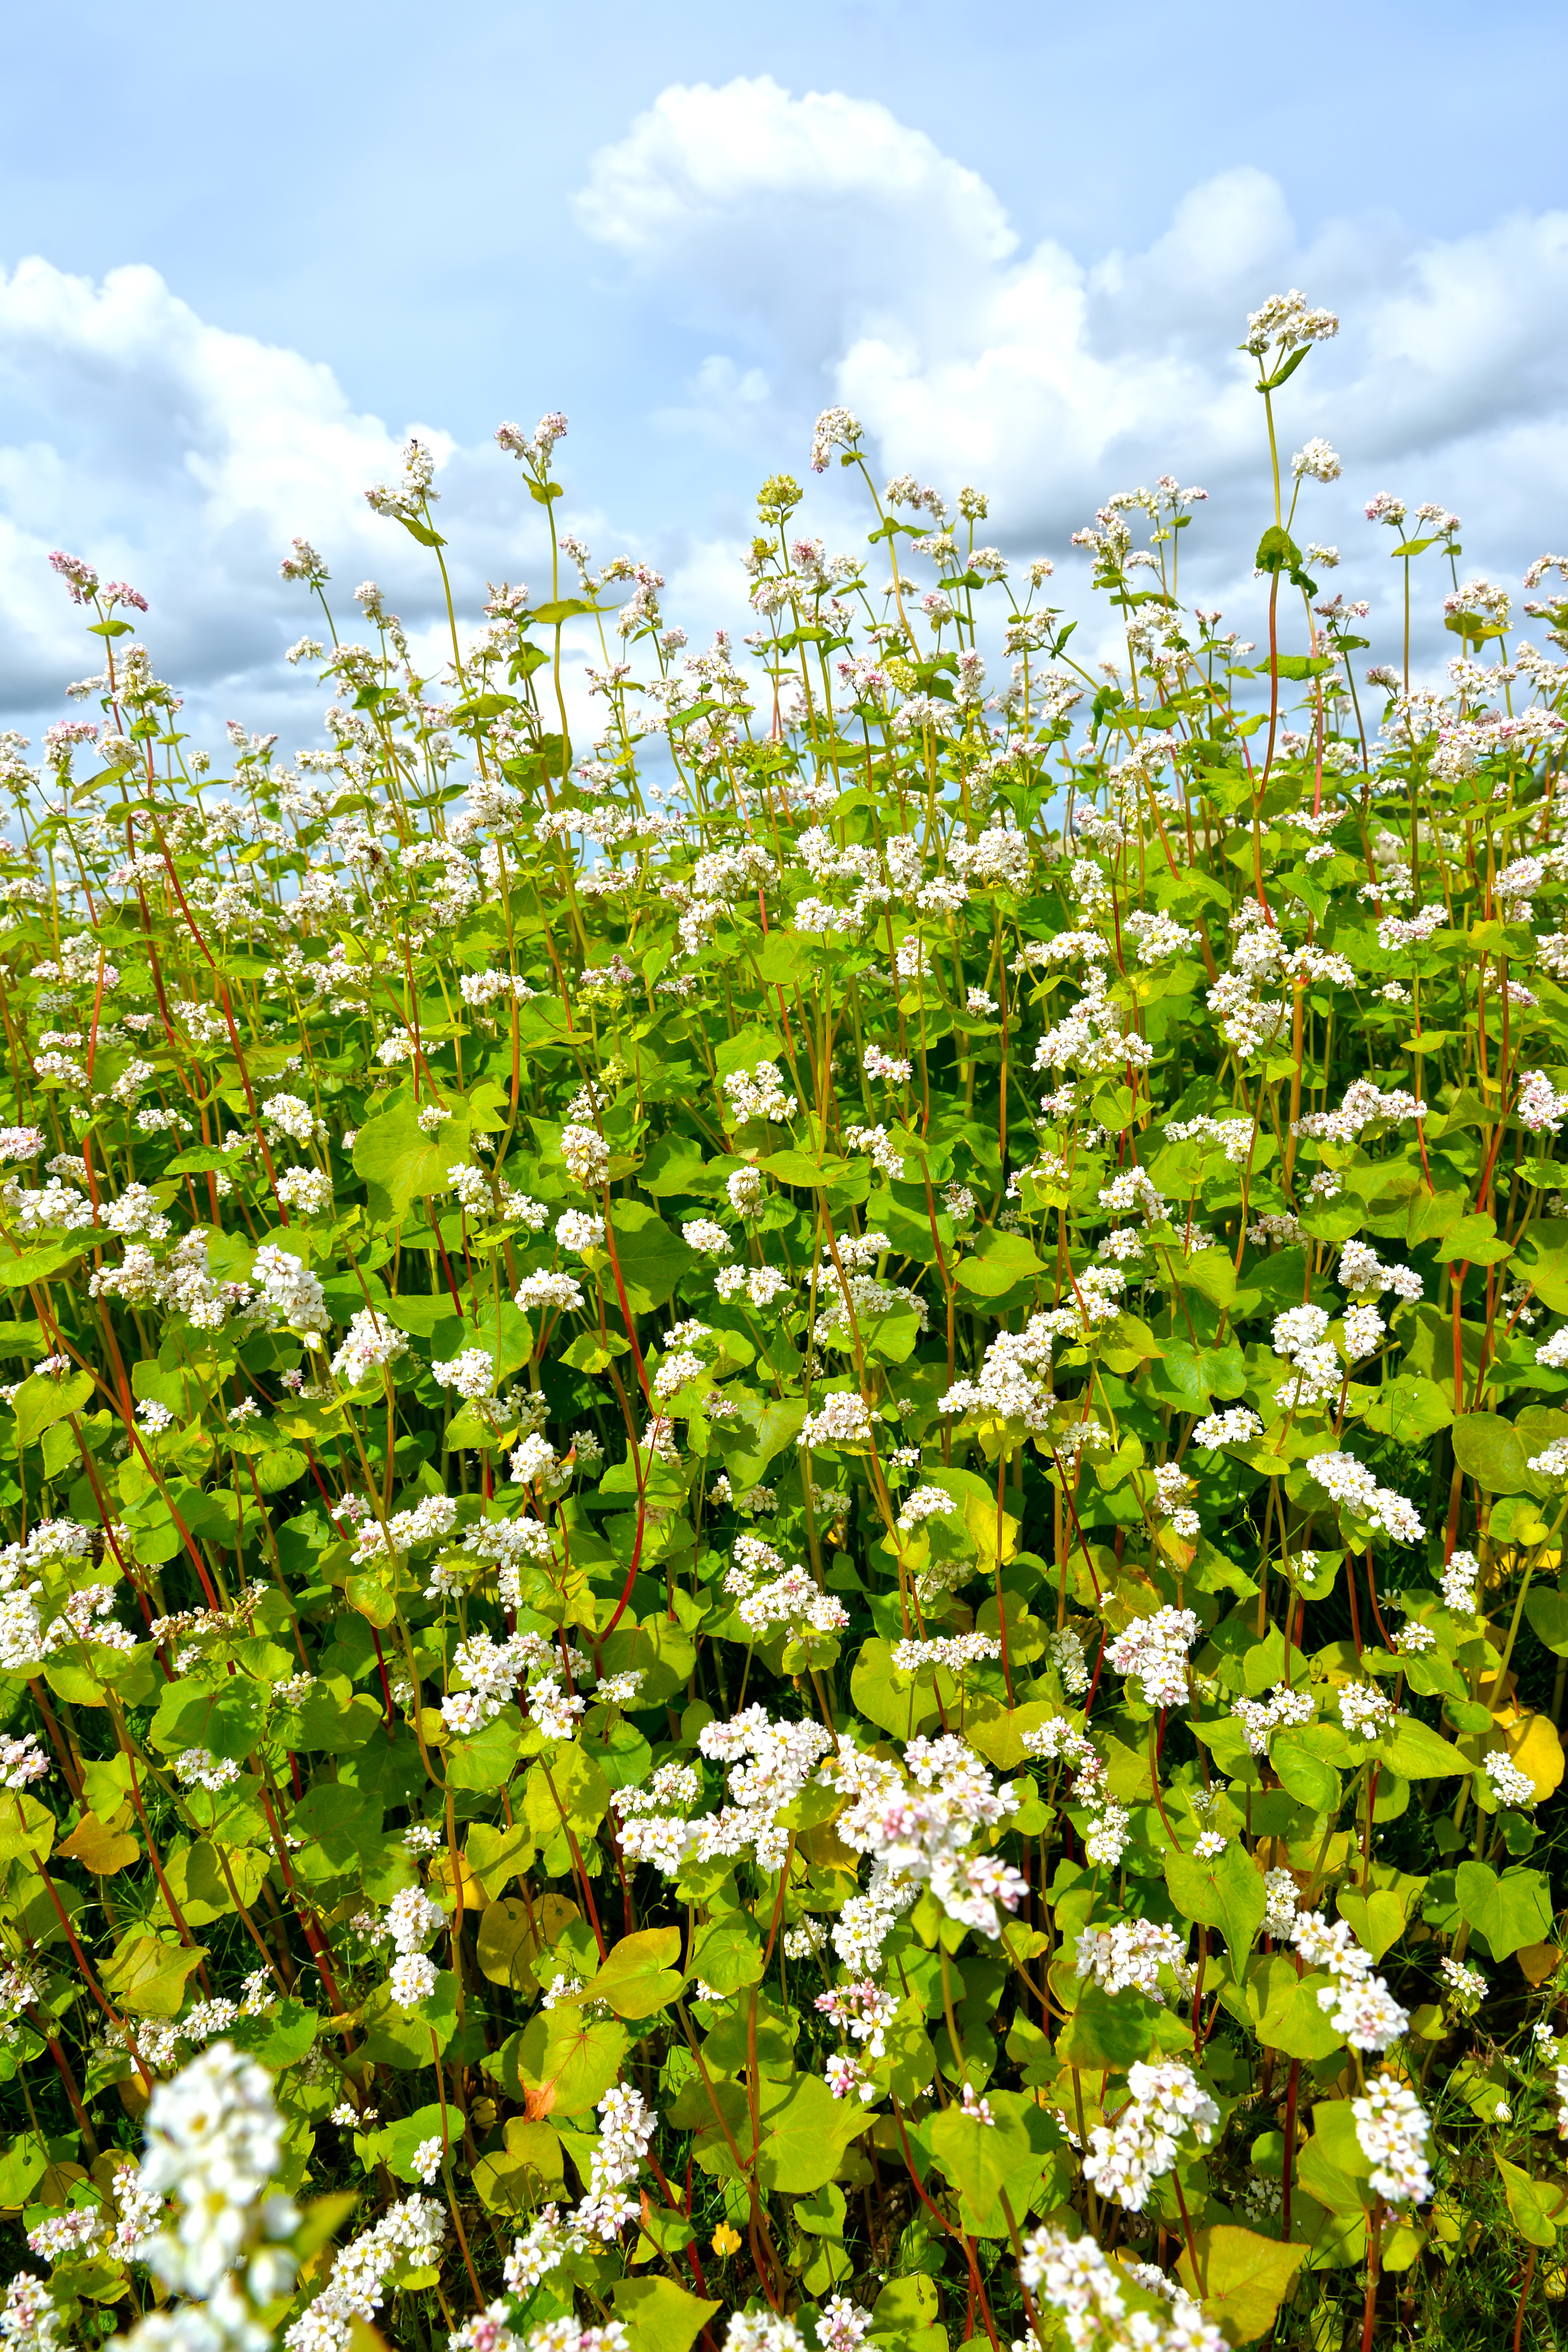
[(1260, 1717), (430, 1520), (1365, 1276), (924, 1503), (491, 1671), (1363, 1105), (759, 1094), (1132, 1954), (1060, 1741), (372, 1342), (1365, 1711), (923, 1833), (586, 1155), (1508, 1785), (1467, 1987), (1014, 1380), (953, 1652), (626, 2132), (1359, 2004), (1461, 1577), (1237, 1425), (770, 1763), (1352, 1484), (1155, 1649), (409, 2237), (411, 1920), (215, 2142), (1553, 1462), (1300, 1336), (1392, 2129), (843, 1419), (1089, 2291), (1167, 2103)]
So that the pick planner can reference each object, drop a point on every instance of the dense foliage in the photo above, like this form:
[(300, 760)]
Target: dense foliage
[(787, 1501)]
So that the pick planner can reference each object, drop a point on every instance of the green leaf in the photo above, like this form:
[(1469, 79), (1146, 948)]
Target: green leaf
[(1107, 2029), (1487, 1450), (803, 2138), (1408, 1408), (1303, 1771), (999, 1262), (1416, 1752), (652, 1259), (1509, 1912), (36, 1265), (659, 2315), (149, 1976), (1277, 550), (43, 1400), (1241, 2278), (1212, 1274), (566, 2061), (728, 1954), (894, 1701), (799, 1167), (1537, 2206), (277, 2037), (1474, 1241), (399, 1162), (483, 1760), (1377, 1919), (24, 2160), (641, 1973), (1223, 1890), (1284, 2011), (1548, 1614), (1300, 667), (978, 2159)]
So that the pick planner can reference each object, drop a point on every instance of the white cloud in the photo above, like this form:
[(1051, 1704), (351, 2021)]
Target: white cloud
[(184, 457), (822, 251), (807, 212), (857, 263)]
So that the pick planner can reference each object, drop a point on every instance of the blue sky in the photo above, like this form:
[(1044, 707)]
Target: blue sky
[(244, 253)]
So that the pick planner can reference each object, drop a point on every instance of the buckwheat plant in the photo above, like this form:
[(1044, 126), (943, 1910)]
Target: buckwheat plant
[(783, 1491)]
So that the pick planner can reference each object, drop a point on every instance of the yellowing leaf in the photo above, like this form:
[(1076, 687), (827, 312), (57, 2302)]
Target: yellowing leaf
[(148, 1978), (1241, 2277), (99, 1848), (1534, 1747), (659, 2315)]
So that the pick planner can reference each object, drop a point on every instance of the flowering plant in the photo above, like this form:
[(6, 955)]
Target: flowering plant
[(785, 1498)]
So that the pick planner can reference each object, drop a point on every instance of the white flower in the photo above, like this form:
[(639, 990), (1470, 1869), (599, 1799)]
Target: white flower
[(842, 1419), (1154, 1650), (1461, 1577), (1509, 1786), (1166, 2105), (1392, 2128), (412, 1980), (1365, 1710), (587, 1156), (214, 2141), (372, 1342)]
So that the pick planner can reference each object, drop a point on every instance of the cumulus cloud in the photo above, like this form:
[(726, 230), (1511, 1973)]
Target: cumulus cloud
[(852, 261), (184, 457), (812, 249)]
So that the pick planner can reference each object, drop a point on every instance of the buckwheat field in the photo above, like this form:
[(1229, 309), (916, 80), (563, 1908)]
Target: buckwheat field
[(783, 1494)]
